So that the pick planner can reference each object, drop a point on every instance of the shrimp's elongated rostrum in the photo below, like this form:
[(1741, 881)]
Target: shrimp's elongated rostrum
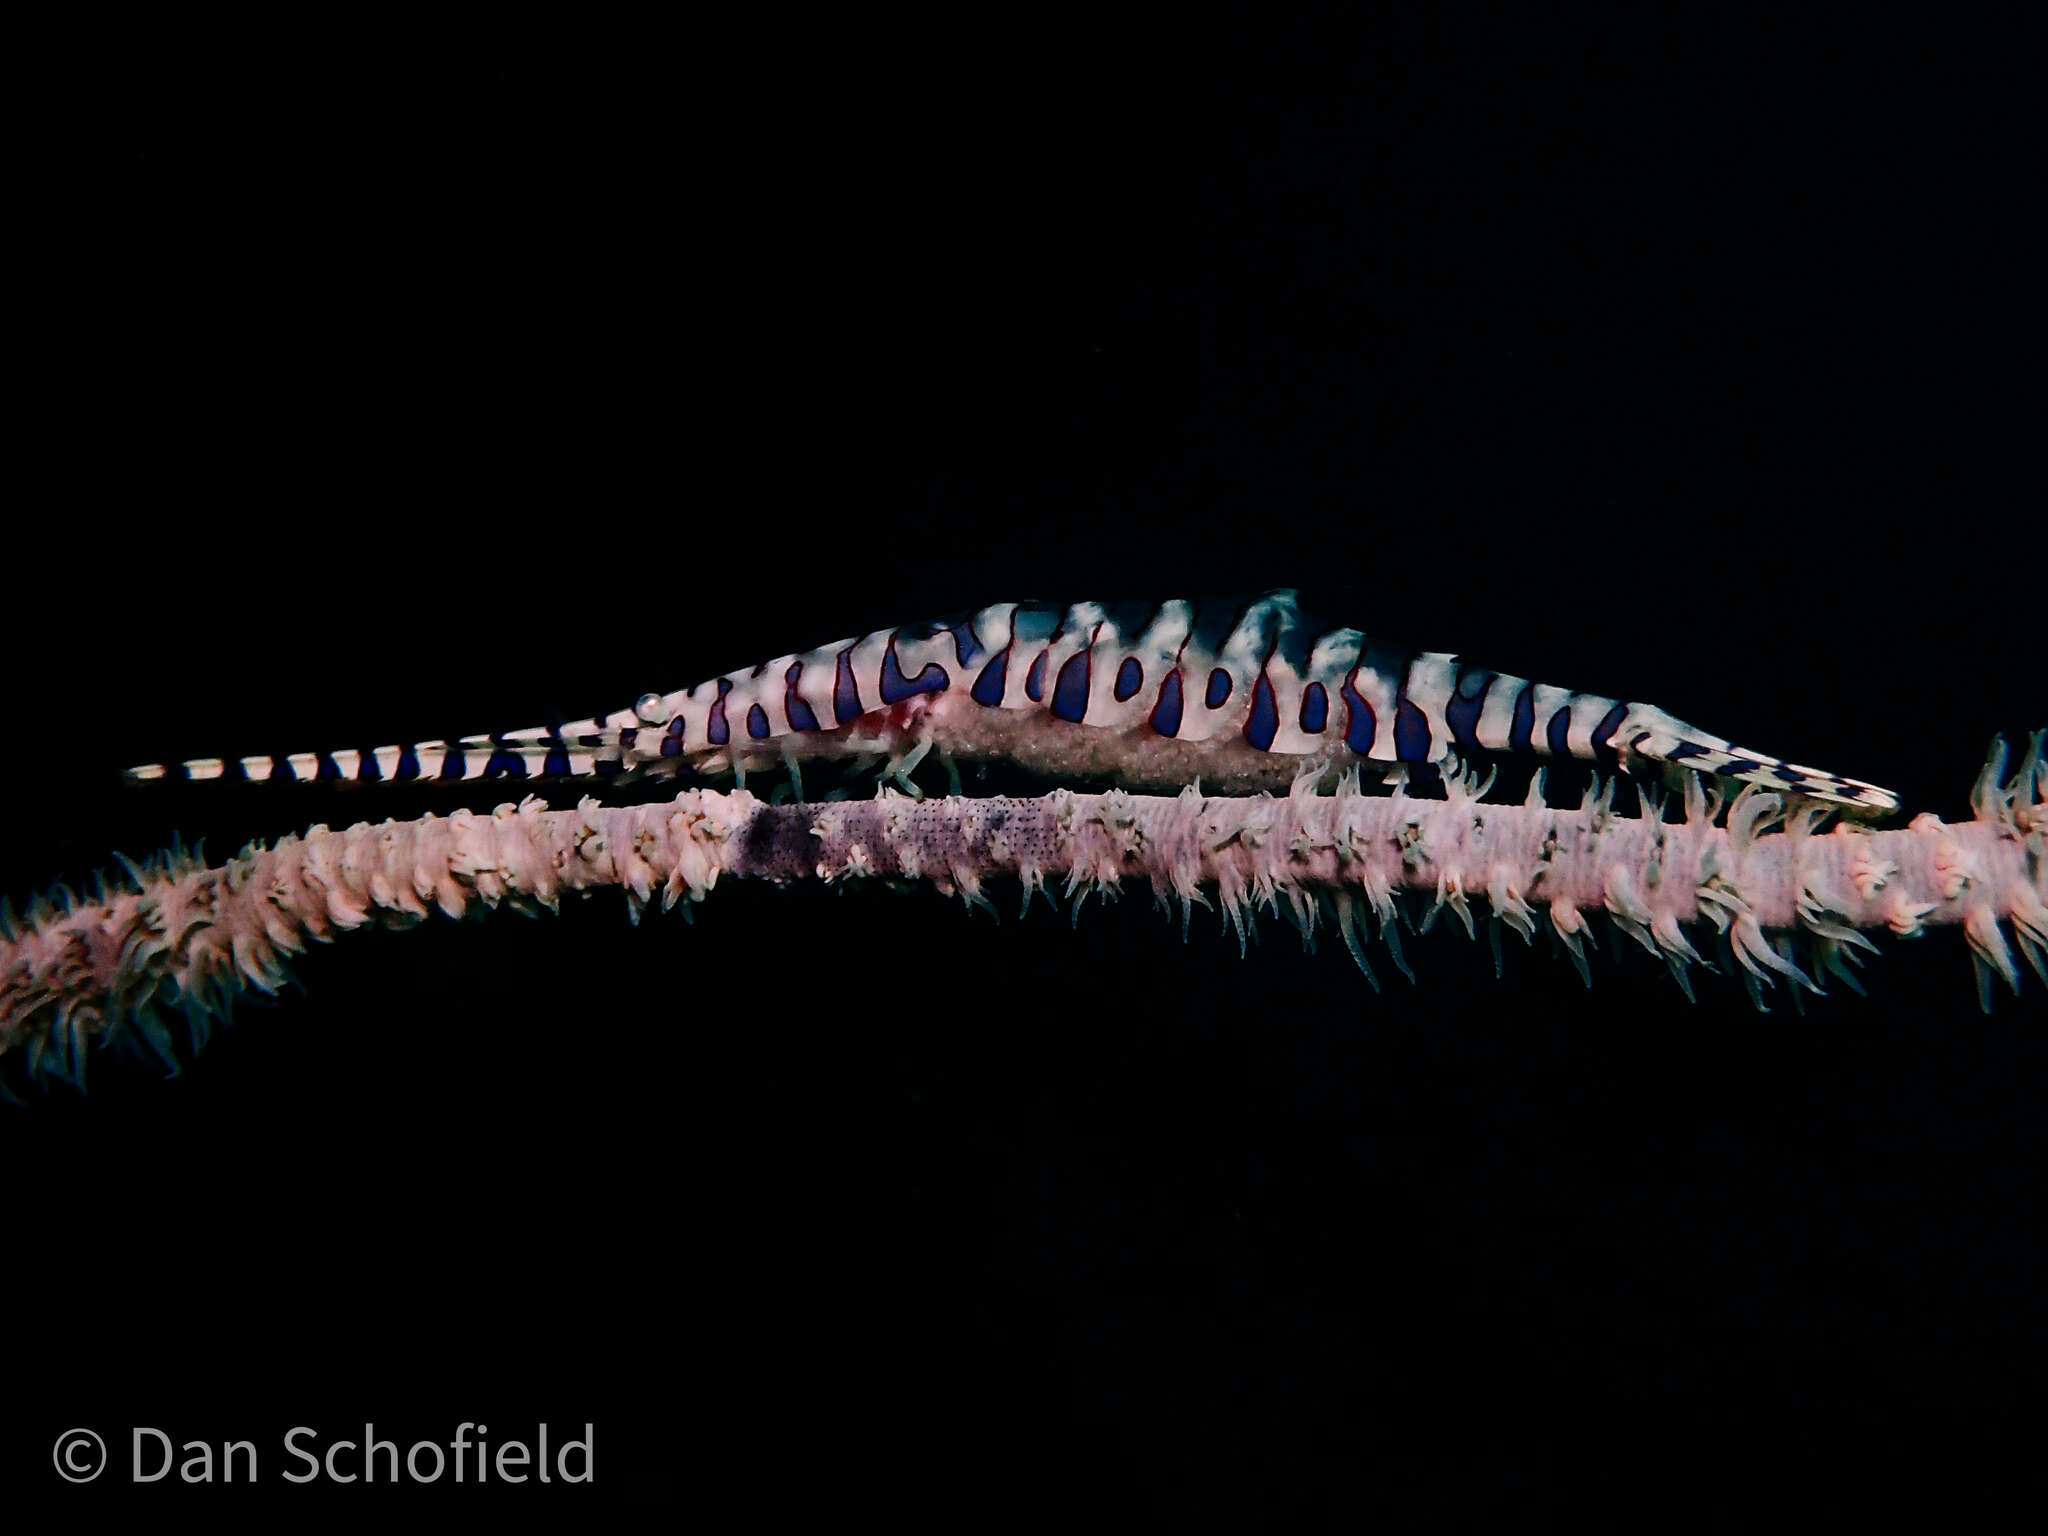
[(1241, 695), (1241, 698)]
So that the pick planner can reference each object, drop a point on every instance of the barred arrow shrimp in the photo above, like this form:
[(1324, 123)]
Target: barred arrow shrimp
[(1241, 695)]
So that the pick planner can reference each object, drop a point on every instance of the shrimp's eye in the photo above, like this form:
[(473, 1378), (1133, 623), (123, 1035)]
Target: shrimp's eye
[(650, 709)]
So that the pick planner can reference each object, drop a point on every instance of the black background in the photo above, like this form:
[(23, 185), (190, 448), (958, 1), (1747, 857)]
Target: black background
[(412, 385)]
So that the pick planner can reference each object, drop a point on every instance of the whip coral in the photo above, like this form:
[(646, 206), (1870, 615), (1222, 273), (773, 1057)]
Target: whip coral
[(171, 938)]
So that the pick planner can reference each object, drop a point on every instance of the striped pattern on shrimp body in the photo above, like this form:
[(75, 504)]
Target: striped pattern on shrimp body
[(1149, 693)]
